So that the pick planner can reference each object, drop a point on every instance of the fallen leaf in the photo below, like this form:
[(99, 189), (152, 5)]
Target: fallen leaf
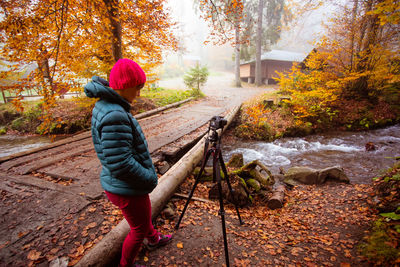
[(34, 255), (179, 245), (91, 225)]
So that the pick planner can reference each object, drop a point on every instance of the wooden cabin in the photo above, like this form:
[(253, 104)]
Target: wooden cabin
[(271, 62)]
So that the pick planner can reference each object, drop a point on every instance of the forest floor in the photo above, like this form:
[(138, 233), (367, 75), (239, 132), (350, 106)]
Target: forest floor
[(318, 225)]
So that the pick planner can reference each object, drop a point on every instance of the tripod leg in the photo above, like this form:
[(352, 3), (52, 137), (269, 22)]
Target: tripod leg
[(221, 161), (205, 159), (217, 175)]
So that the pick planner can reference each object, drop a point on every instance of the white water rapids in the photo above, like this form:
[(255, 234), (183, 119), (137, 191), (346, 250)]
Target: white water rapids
[(345, 149)]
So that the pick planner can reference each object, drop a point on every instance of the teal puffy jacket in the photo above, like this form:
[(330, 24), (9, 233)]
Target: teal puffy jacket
[(120, 143)]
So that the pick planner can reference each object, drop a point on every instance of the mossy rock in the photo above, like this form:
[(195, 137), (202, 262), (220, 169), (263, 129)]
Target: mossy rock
[(242, 182), (253, 183), (3, 130), (207, 174), (236, 160), (302, 130)]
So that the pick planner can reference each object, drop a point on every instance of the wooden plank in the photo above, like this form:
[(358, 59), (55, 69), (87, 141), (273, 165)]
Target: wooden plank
[(34, 166)]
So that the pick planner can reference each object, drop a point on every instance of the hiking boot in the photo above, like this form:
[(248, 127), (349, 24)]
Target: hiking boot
[(162, 240)]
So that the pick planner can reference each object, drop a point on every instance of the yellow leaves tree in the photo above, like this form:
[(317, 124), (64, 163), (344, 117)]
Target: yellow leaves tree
[(357, 59), (70, 40), (313, 88)]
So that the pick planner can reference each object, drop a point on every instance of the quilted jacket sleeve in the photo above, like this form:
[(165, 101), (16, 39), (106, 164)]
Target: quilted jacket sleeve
[(118, 147)]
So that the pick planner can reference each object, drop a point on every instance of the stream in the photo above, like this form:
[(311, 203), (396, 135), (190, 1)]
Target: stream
[(12, 144), (345, 149)]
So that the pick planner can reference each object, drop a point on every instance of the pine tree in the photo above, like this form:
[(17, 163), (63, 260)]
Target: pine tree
[(196, 77)]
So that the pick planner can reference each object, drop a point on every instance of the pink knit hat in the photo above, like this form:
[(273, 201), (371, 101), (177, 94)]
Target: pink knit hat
[(125, 74)]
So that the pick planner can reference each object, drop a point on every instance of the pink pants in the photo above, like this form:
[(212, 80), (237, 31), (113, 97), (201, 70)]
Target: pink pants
[(137, 212)]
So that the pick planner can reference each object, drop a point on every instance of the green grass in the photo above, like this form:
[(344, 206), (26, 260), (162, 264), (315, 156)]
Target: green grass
[(163, 97), (7, 94), (28, 105)]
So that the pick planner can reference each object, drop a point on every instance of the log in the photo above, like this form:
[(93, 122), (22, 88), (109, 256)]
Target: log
[(110, 246), (276, 200)]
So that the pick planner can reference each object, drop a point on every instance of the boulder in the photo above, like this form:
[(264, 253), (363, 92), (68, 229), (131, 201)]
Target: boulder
[(253, 183), (303, 175), (370, 146), (239, 194), (163, 167), (306, 175), (333, 173), (236, 161)]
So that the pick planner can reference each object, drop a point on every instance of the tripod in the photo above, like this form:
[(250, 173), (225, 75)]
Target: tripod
[(218, 162)]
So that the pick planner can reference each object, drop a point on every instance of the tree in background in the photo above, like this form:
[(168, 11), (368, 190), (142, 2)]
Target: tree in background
[(358, 59), (196, 77), (70, 40), (225, 18), (264, 32)]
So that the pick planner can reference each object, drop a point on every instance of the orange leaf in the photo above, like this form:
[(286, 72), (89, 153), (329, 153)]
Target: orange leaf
[(34, 255)]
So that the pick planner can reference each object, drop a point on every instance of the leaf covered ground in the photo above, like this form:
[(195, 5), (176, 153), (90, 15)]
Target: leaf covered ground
[(318, 225)]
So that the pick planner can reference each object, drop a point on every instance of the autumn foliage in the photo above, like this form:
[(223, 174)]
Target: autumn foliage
[(70, 41), (223, 17), (357, 60)]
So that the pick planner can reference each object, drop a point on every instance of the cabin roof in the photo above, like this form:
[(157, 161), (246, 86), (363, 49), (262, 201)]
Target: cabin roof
[(281, 55)]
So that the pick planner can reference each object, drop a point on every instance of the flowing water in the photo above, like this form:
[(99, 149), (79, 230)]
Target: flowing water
[(345, 149), (11, 144)]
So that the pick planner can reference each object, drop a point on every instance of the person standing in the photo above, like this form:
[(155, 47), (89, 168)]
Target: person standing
[(128, 174)]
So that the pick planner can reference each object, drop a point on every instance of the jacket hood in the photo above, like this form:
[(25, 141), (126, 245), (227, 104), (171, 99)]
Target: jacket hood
[(99, 88)]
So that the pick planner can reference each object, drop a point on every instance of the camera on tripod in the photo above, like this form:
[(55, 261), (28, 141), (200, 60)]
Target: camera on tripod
[(217, 122)]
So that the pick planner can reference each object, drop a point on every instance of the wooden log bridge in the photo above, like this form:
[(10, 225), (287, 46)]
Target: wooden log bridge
[(107, 249), (60, 180)]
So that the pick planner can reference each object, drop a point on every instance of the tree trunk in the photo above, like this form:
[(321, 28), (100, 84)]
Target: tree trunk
[(237, 57), (258, 79), (44, 69), (116, 33), (353, 32), (276, 200)]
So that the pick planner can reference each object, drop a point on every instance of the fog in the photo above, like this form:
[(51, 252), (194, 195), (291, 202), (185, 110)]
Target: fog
[(192, 32)]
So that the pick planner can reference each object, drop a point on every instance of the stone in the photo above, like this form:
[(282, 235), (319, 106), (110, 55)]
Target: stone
[(163, 167), (306, 175), (333, 173), (268, 103), (253, 183), (370, 146), (236, 160), (59, 262), (239, 194), (168, 213)]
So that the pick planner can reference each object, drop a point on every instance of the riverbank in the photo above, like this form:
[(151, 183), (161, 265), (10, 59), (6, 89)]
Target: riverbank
[(270, 116), (325, 225), (71, 116)]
